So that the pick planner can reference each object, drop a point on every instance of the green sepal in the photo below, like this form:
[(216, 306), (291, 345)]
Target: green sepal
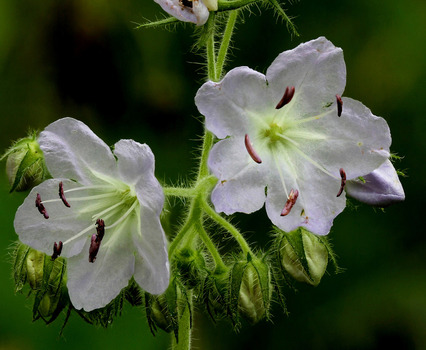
[(134, 294), (52, 297), (215, 294), (282, 14), (19, 255), (235, 280), (27, 162), (264, 277), (35, 269), (159, 23), (278, 288)]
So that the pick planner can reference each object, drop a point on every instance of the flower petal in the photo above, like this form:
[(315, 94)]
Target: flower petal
[(94, 285), (381, 187), (136, 165), (241, 184), (316, 205), (72, 151), (152, 271), (198, 14), (317, 71), (63, 223), (229, 104), (358, 141)]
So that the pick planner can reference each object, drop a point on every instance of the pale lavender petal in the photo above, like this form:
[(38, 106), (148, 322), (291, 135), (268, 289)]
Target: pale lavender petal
[(380, 188)]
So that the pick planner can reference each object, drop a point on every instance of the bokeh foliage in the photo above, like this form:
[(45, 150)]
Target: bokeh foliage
[(85, 59)]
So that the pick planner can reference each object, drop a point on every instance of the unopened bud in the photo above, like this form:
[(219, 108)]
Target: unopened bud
[(253, 304), (191, 265), (35, 268), (25, 166), (303, 256), (160, 314)]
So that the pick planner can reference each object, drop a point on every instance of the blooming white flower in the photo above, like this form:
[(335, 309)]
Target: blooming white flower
[(104, 207), (289, 139), (380, 188), (195, 11)]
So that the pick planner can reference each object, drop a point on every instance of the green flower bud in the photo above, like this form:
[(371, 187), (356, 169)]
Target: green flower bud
[(25, 166), (303, 256), (253, 304), (191, 266), (215, 292), (35, 268), (160, 314)]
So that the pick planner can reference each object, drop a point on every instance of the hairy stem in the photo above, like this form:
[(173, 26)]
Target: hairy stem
[(226, 40)]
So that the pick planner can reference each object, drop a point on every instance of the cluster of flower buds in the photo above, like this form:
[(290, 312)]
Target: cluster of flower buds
[(46, 279), (302, 256), (25, 166)]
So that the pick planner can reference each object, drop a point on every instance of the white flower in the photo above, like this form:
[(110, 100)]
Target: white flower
[(195, 11), (380, 188), (289, 139), (114, 206)]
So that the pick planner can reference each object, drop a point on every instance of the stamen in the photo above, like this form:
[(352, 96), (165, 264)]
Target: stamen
[(95, 241), (57, 249), (251, 150), (62, 195), (343, 181), (339, 105), (292, 197), (94, 248), (288, 95), (41, 207)]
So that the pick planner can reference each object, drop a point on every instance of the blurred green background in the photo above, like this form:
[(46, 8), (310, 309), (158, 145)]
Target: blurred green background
[(85, 59)]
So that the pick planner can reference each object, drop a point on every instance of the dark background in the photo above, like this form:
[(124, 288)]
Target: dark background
[(85, 59)]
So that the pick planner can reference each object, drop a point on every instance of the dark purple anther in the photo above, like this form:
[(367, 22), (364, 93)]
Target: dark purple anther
[(41, 207), (292, 197), (339, 105), (95, 241), (251, 150), (62, 195), (343, 181), (288, 95), (57, 249)]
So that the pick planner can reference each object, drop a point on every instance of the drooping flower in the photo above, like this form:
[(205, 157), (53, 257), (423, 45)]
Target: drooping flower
[(101, 211), (379, 188), (195, 11), (289, 139)]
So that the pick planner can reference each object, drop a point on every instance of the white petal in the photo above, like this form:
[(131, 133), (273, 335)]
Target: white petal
[(72, 150), (381, 187), (152, 270), (94, 285), (358, 141), (198, 14), (241, 185), (317, 204), (317, 71), (229, 104), (63, 223)]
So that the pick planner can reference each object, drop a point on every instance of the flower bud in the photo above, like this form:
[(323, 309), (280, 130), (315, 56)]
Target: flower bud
[(191, 265), (35, 268), (254, 297), (211, 4), (25, 165), (303, 256)]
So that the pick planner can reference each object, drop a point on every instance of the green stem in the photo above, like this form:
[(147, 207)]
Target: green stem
[(184, 327), (223, 50), (179, 192), (229, 227), (203, 170), (211, 49), (194, 213), (220, 265)]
